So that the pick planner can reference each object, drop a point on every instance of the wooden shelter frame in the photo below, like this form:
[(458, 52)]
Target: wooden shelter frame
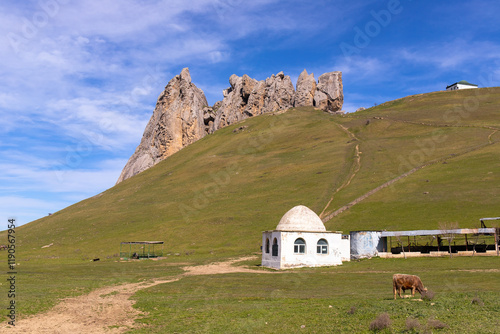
[(145, 251), (438, 234)]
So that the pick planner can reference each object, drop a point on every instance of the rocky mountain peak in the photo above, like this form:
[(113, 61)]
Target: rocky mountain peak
[(177, 121), (329, 92), (247, 97), (185, 76), (306, 88), (182, 115)]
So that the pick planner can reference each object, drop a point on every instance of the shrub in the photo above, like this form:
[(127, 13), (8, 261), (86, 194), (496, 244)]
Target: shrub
[(428, 295), (412, 324), (381, 322), (477, 301), (436, 324)]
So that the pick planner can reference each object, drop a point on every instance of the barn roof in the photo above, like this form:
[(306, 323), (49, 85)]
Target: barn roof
[(301, 218), (462, 82)]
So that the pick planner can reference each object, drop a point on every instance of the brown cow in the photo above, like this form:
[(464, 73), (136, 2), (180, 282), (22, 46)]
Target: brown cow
[(406, 282)]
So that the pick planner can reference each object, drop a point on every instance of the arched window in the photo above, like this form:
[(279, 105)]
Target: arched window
[(267, 245), (275, 247), (322, 247), (299, 246)]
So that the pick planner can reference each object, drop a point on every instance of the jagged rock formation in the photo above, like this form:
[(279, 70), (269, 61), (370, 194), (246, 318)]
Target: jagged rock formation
[(306, 88), (182, 115), (177, 121), (329, 92), (326, 95), (247, 97)]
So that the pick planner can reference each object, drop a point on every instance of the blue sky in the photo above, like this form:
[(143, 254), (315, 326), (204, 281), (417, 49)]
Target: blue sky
[(80, 79)]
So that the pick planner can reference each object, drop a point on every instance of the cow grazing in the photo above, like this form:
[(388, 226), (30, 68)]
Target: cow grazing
[(406, 282)]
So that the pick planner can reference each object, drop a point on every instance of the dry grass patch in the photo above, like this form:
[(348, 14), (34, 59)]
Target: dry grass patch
[(383, 321)]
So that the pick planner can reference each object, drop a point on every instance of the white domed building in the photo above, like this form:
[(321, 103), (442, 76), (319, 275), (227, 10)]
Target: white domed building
[(301, 240)]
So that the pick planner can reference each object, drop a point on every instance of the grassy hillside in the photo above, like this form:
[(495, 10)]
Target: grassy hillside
[(213, 198), (453, 136), (406, 164)]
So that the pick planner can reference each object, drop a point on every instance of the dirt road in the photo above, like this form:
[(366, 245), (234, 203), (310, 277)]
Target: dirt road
[(108, 309)]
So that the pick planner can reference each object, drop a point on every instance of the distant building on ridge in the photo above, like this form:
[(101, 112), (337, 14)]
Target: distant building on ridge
[(461, 85)]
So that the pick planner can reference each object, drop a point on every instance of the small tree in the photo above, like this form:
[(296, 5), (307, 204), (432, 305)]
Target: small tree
[(447, 233)]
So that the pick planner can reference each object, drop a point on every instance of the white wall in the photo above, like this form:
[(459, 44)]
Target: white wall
[(267, 259), (460, 86), (365, 244), (345, 249), (337, 249)]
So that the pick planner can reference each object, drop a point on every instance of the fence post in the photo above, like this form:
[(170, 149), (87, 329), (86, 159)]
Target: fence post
[(497, 231)]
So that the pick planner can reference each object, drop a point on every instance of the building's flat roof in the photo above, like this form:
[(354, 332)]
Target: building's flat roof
[(304, 231), (438, 232), (142, 242)]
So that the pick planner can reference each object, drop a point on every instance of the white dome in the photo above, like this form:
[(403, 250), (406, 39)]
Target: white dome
[(301, 218)]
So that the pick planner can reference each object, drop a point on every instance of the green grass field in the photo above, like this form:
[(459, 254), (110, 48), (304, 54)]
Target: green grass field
[(211, 201), (40, 284), (342, 299), (323, 299)]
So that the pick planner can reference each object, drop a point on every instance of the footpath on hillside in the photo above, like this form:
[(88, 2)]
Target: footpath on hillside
[(109, 309), (357, 166)]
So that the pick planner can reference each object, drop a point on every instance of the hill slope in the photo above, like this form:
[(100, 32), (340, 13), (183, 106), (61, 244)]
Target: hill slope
[(214, 197), (446, 142)]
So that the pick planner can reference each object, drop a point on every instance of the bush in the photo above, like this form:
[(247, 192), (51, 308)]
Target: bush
[(412, 324), (381, 322), (428, 295), (477, 301), (436, 324)]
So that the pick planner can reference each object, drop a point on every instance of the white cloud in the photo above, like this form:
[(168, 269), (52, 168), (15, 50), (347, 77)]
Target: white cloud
[(107, 123), (22, 183), (85, 182), (361, 68), (452, 54), (59, 176), (351, 107), (90, 62), (26, 209)]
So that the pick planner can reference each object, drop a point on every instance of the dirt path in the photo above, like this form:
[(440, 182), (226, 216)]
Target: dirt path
[(491, 135), (221, 268), (352, 173), (396, 179), (354, 170), (108, 309)]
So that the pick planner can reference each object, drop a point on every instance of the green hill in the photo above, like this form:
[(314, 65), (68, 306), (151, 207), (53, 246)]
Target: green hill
[(214, 197)]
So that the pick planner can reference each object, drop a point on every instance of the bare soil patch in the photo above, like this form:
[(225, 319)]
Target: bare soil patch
[(221, 268), (108, 309)]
